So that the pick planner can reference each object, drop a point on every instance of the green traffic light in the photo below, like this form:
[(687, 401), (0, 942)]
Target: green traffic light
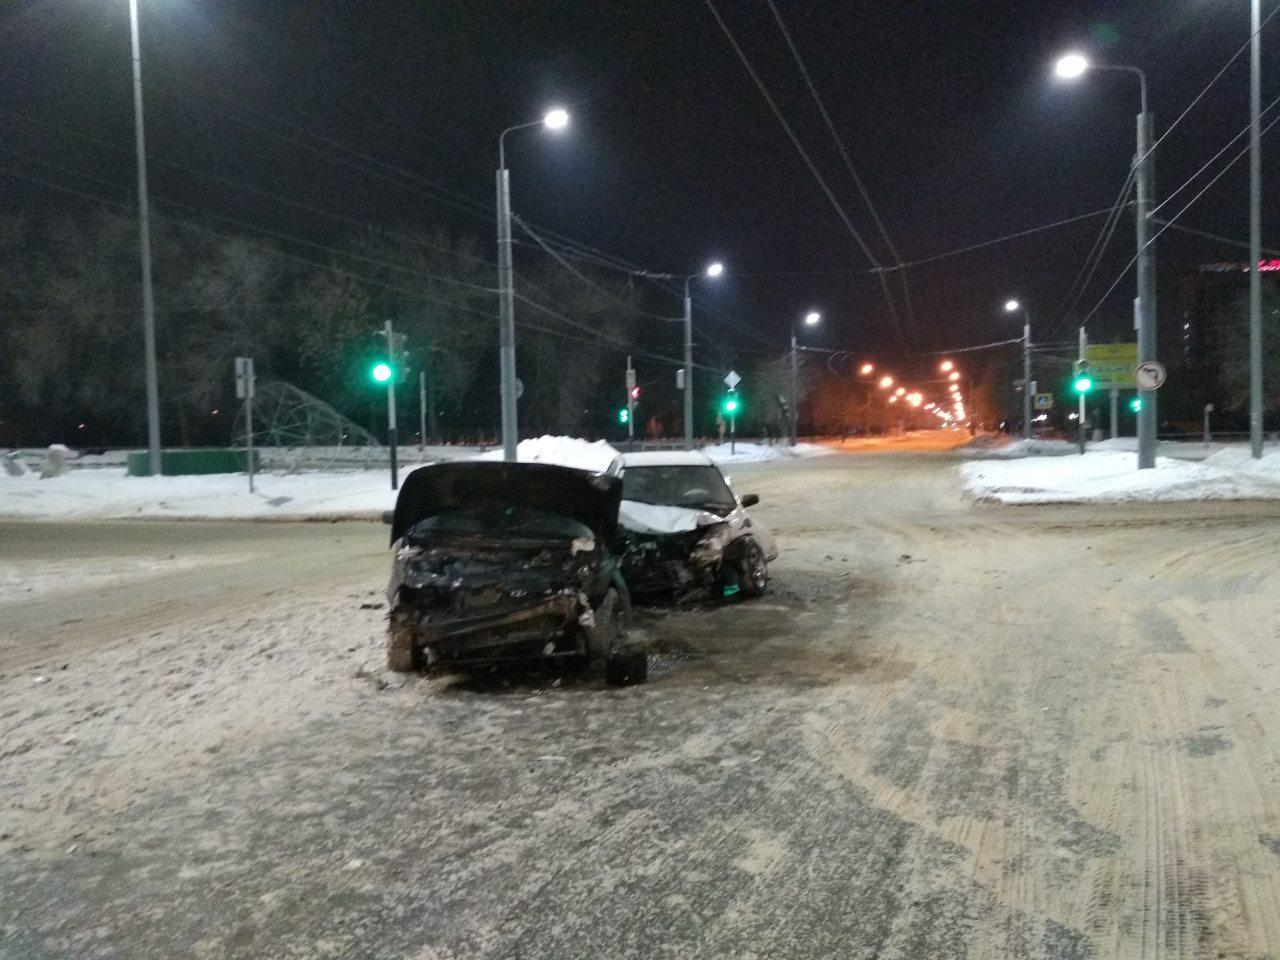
[(381, 372), (1083, 384), (731, 405), (1136, 404), (624, 415)]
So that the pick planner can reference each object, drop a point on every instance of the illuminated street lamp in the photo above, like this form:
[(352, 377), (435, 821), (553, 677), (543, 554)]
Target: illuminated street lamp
[(866, 368), (954, 375), (886, 382), (554, 119), (685, 377), (812, 318), (946, 365), (1071, 67), (915, 399), (900, 391), (1013, 306)]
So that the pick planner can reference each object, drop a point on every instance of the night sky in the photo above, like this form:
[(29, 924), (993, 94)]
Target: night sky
[(949, 110)]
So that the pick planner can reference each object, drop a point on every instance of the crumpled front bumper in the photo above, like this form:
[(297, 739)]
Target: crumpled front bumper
[(545, 626)]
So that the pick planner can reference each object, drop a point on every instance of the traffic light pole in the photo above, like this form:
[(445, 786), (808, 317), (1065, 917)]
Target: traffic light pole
[(631, 403), (1084, 343), (422, 412), (392, 440)]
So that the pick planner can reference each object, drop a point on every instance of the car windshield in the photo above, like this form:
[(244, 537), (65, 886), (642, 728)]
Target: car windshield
[(501, 521), (695, 485)]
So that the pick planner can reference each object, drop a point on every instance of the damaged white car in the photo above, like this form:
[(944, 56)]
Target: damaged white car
[(685, 533)]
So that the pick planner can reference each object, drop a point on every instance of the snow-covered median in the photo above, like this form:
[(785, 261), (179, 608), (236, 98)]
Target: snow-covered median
[(109, 495), (1113, 477)]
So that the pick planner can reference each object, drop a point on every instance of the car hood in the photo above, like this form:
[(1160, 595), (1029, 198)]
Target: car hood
[(657, 519), (591, 499)]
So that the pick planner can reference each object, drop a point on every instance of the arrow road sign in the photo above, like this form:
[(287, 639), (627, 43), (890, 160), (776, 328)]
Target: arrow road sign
[(1150, 375)]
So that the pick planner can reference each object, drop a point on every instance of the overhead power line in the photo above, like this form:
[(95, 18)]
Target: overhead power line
[(848, 162), (804, 154), (1244, 244), (1171, 222)]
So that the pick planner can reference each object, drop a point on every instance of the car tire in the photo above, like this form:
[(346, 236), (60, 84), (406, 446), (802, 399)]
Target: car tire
[(403, 655), (753, 571), (623, 666), (626, 669)]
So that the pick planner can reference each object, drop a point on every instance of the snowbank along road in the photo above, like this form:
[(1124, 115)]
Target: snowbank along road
[(949, 731)]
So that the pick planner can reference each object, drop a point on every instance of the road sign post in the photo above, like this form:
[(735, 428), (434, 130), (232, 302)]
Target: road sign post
[(731, 380), (245, 384)]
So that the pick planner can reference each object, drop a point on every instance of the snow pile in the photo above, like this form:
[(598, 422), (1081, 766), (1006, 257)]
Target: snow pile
[(1239, 458), (562, 451), (983, 449), (1110, 477), (746, 452), (104, 494)]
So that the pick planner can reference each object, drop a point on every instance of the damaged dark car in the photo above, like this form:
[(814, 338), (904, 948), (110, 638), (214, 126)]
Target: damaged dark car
[(499, 561)]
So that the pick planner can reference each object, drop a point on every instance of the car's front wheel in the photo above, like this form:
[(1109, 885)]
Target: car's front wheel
[(403, 655), (753, 571), (623, 665)]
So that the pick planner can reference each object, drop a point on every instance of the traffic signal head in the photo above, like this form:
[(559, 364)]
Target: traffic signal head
[(635, 393), (1081, 378), (730, 404), (1136, 404), (381, 372), (624, 415)]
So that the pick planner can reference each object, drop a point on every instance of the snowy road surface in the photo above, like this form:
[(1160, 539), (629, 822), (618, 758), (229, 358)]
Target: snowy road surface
[(949, 731)]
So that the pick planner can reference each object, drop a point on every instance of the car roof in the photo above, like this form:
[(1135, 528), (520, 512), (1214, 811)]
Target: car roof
[(667, 458)]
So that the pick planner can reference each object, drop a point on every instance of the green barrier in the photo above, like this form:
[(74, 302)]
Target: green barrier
[(183, 463)]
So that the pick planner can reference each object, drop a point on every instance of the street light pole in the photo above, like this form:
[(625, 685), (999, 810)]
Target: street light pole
[(554, 120), (688, 366), (810, 319), (1255, 234), (795, 386), (1012, 306), (1070, 67), (144, 235), (506, 310), (1145, 306)]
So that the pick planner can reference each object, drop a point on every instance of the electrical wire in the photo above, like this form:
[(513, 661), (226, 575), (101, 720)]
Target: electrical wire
[(1244, 244), (1171, 221), (826, 189), (1227, 146), (848, 162), (1216, 77)]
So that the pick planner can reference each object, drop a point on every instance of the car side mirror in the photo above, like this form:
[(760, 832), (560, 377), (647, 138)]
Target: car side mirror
[(750, 499), (388, 517)]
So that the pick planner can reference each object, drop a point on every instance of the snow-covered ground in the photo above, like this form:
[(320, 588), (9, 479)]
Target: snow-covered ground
[(107, 493), (1000, 448), (1110, 476)]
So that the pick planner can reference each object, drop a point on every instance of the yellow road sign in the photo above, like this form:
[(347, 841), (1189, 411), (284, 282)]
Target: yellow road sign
[(1112, 363)]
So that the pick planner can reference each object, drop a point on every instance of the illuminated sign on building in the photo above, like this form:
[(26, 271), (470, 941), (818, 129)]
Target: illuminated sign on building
[(1264, 266)]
